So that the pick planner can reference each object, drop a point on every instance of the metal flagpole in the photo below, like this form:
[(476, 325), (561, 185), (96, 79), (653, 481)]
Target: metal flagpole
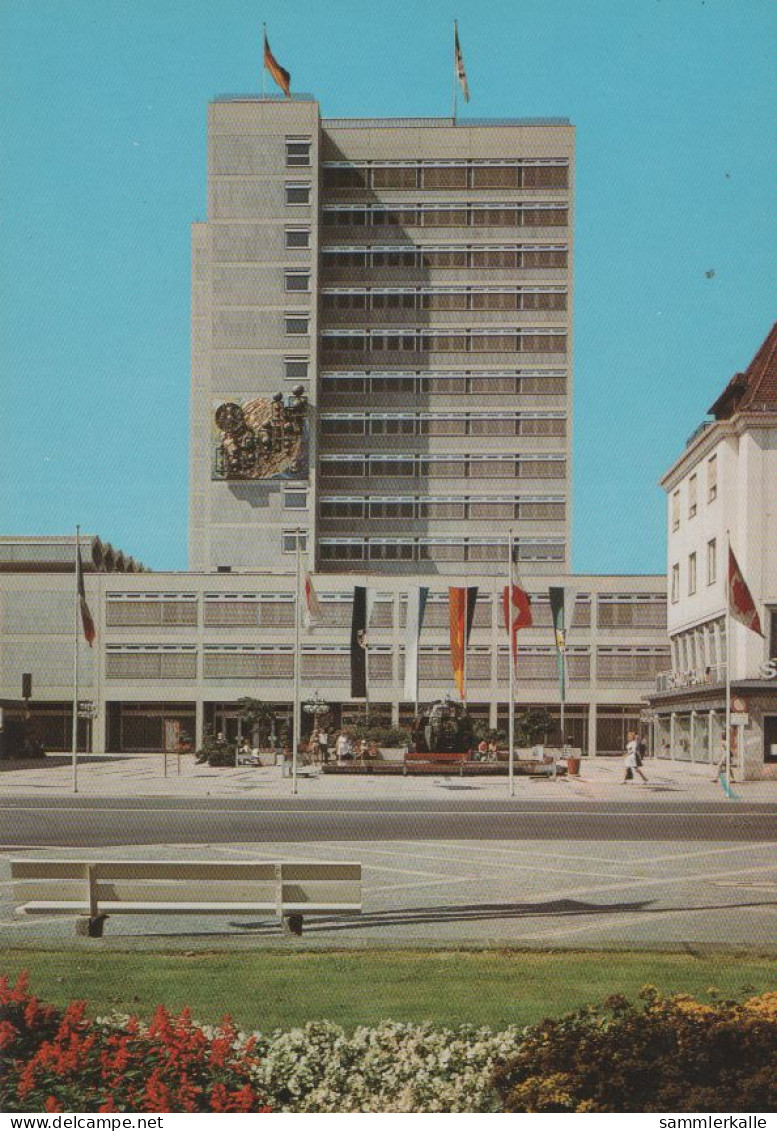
[(366, 651), (563, 690), (464, 649), (297, 720), (455, 73), (77, 616), (511, 668), (728, 660), (418, 648)]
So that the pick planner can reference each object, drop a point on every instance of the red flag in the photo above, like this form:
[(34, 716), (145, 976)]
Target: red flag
[(312, 606), (521, 615), (740, 599), (279, 73), (86, 616)]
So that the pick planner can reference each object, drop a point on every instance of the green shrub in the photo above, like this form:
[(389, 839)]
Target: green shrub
[(215, 751), (386, 736), (669, 1054)]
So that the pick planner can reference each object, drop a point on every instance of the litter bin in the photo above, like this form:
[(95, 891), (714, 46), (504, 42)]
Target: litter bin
[(573, 766)]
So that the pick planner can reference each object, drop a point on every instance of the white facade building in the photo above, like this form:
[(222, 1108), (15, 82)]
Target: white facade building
[(724, 486)]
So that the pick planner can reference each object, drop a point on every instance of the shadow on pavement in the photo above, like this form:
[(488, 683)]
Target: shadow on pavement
[(463, 913)]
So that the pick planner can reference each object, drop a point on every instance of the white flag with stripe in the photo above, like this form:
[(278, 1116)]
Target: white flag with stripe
[(416, 604)]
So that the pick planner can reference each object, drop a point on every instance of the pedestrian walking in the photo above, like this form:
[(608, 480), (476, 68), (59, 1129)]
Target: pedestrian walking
[(633, 759), (342, 747), (323, 745)]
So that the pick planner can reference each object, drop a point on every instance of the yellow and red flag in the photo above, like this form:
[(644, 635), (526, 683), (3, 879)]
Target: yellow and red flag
[(279, 73), (517, 617), (461, 601)]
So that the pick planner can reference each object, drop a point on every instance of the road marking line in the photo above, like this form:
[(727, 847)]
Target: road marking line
[(626, 919), (660, 881), (527, 854), (420, 884), (421, 814)]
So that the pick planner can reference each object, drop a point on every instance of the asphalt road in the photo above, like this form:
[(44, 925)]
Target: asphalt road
[(79, 821)]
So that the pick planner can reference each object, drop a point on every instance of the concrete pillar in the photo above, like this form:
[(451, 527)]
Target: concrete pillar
[(493, 714), (592, 720), (99, 729), (199, 724), (671, 736)]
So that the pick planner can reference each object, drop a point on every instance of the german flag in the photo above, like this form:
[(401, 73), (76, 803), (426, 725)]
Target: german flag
[(279, 73), (461, 73), (461, 603)]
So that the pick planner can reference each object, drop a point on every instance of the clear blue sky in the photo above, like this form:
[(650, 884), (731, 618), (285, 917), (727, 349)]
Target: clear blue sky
[(102, 129)]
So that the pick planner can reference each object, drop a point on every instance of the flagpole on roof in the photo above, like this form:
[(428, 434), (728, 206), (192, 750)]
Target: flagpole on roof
[(511, 667), (76, 631), (455, 73)]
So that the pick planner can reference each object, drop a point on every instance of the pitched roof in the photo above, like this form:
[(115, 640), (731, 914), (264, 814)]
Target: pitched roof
[(756, 388)]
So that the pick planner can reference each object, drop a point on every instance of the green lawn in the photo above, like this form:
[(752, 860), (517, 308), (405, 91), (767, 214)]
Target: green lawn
[(264, 990)]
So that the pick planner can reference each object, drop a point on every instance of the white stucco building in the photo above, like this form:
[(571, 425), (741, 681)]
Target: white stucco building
[(724, 486)]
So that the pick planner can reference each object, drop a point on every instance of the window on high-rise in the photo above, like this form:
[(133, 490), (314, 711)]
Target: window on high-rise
[(295, 500), (297, 237), (675, 583), (297, 192), (290, 539), (297, 151), (712, 561), (296, 368), (692, 496), (297, 280), (297, 324)]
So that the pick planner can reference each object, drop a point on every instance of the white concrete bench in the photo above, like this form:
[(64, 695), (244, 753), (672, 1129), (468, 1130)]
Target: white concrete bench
[(94, 890)]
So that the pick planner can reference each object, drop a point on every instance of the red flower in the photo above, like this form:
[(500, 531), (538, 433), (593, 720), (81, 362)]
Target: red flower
[(26, 1080), (157, 1093), (8, 1034)]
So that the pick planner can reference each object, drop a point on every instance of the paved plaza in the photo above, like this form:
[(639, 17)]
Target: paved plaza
[(633, 894), (132, 775)]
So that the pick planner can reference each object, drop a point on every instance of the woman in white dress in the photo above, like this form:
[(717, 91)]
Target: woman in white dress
[(632, 759)]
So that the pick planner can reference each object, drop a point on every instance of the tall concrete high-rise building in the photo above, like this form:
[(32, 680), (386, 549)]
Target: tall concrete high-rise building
[(381, 366), (382, 343)]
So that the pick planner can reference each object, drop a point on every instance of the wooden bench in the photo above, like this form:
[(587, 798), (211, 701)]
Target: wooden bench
[(95, 890), (422, 759)]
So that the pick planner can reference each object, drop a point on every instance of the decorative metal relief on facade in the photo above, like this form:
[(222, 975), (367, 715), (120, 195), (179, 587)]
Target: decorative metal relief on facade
[(262, 439)]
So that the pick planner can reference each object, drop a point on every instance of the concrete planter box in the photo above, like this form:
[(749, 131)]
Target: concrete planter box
[(392, 753)]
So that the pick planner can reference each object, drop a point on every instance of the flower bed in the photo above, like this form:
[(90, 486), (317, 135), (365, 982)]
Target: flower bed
[(666, 1054), (52, 1061)]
